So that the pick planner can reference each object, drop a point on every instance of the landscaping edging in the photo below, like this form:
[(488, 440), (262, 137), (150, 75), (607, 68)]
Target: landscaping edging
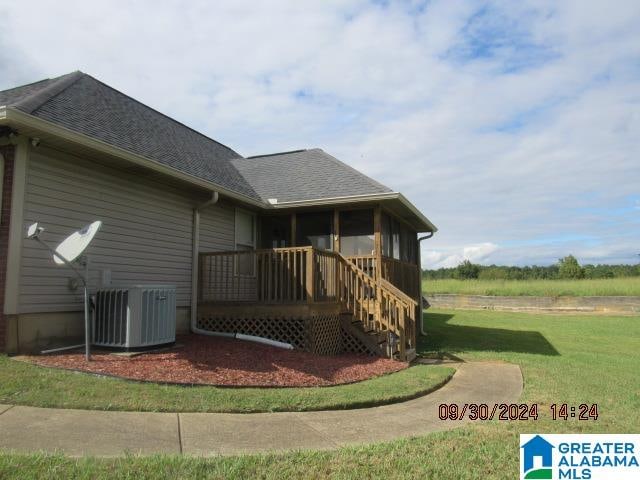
[(618, 305), (387, 389)]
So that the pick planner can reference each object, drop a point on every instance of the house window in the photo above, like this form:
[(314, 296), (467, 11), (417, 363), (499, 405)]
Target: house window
[(245, 241)]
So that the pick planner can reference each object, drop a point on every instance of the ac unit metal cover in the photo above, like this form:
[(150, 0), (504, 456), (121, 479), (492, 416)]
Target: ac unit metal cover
[(135, 316)]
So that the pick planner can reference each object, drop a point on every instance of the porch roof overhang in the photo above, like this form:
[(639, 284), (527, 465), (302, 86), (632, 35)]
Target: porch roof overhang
[(394, 201)]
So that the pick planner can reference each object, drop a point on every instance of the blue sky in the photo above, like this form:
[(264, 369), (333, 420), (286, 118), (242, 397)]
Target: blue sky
[(515, 126)]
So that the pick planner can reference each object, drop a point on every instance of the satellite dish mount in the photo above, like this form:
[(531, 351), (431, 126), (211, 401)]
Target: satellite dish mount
[(68, 252)]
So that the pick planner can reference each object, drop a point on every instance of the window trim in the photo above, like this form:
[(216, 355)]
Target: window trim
[(236, 243)]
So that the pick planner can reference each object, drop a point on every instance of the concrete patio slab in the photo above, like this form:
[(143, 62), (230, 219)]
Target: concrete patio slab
[(96, 433)]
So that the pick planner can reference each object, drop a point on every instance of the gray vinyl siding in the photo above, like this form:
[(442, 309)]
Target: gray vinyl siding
[(145, 238), (217, 228)]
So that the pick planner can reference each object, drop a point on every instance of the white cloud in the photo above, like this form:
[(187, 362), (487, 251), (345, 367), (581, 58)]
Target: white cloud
[(480, 253), (505, 122)]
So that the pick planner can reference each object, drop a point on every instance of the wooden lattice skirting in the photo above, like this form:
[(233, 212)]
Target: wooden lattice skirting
[(319, 333)]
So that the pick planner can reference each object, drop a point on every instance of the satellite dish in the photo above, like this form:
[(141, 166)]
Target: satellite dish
[(76, 243), (70, 249)]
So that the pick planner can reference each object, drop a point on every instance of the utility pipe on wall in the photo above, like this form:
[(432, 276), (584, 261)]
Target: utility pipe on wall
[(195, 252), (422, 331), (194, 285)]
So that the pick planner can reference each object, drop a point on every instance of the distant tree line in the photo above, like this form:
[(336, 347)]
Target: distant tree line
[(566, 268)]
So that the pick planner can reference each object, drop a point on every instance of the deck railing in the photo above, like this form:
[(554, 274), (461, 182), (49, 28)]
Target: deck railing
[(279, 275), (402, 275), (366, 263), (307, 275)]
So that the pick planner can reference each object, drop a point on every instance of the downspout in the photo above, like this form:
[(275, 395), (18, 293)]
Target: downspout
[(422, 331), (194, 284), (195, 252)]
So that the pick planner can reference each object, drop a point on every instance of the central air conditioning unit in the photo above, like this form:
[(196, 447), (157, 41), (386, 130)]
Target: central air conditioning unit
[(135, 317)]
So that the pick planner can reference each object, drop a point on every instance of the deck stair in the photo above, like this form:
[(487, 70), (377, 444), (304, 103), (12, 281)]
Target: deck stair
[(373, 341), (380, 315)]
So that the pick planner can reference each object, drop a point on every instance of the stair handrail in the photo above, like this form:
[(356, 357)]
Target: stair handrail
[(395, 310)]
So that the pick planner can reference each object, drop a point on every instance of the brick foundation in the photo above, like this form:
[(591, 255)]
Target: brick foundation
[(5, 217)]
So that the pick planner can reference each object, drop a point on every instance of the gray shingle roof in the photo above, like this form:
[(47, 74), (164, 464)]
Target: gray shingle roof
[(85, 105), (304, 175)]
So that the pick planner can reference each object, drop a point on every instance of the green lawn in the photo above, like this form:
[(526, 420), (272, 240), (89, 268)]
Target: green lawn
[(575, 359), (25, 384), (547, 288)]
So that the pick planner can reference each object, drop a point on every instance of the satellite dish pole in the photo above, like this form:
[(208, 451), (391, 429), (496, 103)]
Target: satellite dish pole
[(66, 253)]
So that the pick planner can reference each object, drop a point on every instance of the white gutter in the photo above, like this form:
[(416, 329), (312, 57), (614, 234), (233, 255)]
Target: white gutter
[(417, 213), (422, 330), (344, 199), (195, 252), (375, 197), (12, 115)]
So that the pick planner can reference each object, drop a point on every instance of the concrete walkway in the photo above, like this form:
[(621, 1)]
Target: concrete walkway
[(107, 434)]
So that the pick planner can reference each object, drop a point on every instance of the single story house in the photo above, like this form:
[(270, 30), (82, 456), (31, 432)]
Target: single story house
[(294, 246)]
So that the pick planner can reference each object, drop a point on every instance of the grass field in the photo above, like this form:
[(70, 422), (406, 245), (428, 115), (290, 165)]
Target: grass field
[(25, 384), (546, 288), (574, 359)]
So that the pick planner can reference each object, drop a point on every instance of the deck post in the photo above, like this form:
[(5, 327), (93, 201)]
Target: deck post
[(310, 275), (377, 243), (293, 229), (336, 247), (336, 230)]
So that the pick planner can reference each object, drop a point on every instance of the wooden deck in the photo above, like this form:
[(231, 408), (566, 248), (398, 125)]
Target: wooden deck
[(268, 291)]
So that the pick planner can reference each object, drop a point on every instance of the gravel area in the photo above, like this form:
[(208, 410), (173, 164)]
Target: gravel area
[(222, 361)]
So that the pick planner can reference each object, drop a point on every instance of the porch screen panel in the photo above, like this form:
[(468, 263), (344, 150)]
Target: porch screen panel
[(315, 229), (356, 232), (390, 237), (275, 231), (408, 245)]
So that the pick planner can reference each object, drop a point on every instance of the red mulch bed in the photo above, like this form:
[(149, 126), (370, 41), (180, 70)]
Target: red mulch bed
[(222, 361)]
